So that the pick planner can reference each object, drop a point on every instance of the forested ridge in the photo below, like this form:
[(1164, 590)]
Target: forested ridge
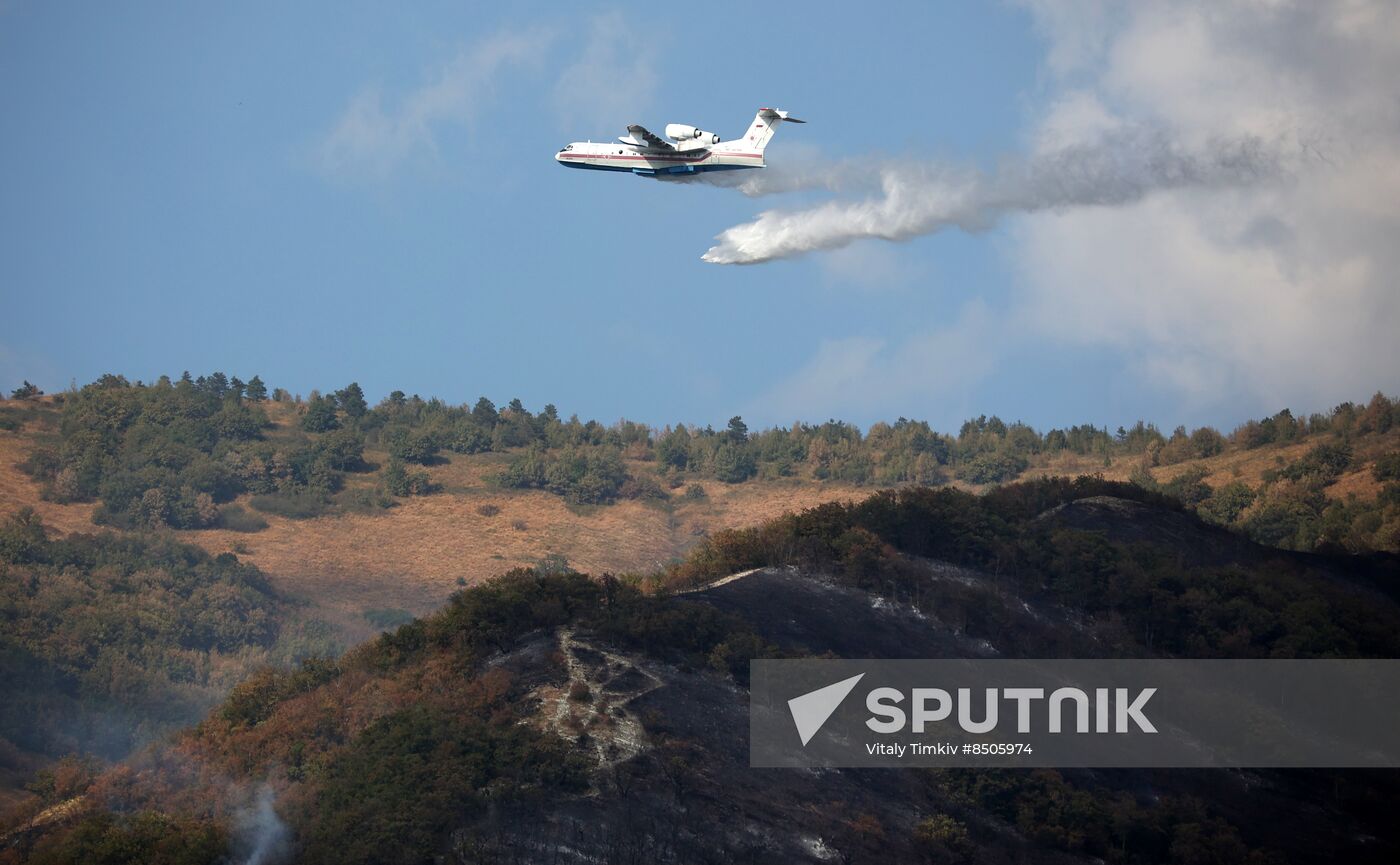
[(115, 636), (202, 452)]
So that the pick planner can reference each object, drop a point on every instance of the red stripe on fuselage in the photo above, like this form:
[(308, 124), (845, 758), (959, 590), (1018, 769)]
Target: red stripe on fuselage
[(658, 157)]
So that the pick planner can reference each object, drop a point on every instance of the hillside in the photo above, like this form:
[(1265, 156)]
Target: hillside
[(411, 555), (545, 716), (344, 520), (110, 642), (392, 507)]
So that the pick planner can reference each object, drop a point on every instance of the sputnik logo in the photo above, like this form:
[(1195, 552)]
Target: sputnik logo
[(811, 710)]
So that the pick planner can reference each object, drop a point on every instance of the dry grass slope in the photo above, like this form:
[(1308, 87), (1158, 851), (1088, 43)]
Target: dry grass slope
[(413, 555)]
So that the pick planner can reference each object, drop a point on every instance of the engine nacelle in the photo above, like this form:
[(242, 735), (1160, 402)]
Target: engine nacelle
[(681, 132)]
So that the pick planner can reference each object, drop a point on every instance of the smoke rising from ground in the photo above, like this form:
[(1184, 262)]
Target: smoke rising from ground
[(916, 199), (261, 836)]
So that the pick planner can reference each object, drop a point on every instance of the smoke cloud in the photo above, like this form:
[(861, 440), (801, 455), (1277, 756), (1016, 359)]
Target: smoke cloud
[(260, 834), (915, 199), (1210, 198)]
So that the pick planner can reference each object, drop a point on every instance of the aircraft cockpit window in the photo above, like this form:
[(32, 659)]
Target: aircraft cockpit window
[(566, 147)]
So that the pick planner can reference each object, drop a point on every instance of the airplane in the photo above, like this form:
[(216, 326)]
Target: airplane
[(648, 155)]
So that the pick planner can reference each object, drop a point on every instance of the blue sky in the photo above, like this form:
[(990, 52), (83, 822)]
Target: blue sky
[(325, 192)]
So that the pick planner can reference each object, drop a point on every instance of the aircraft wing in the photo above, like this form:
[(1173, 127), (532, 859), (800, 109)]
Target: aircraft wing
[(652, 140)]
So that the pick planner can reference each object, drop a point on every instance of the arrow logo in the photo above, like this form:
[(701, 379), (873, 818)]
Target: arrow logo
[(811, 710)]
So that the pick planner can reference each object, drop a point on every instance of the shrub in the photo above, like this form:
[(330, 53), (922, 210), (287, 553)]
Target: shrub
[(1287, 524), (941, 838), (1325, 461), (235, 518), (468, 438), (1189, 487), (399, 481), (488, 510), (582, 475), (991, 468), (641, 487), (733, 463), (1387, 468), (341, 449), (320, 415), (1227, 503), (365, 500), (412, 446)]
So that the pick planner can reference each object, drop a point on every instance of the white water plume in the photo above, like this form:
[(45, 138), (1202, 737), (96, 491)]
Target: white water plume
[(923, 198)]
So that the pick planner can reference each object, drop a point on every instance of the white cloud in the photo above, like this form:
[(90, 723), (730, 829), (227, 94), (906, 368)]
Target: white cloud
[(868, 377), (1277, 294), (613, 80), (1076, 30), (377, 134), (1212, 193)]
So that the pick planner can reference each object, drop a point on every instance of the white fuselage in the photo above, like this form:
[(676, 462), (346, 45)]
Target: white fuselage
[(601, 156)]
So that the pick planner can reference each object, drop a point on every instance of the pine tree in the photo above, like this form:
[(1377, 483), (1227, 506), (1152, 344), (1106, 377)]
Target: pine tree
[(738, 430), (352, 400)]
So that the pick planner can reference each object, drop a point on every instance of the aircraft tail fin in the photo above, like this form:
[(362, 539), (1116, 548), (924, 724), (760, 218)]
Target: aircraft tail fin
[(765, 123)]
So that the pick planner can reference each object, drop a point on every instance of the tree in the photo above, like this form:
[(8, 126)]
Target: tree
[(26, 391), (396, 477), (941, 838), (733, 464), (255, 389), (352, 400), (414, 446), (320, 415), (1378, 415), (1227, 503), (673, 448), (738, 430), (341, 449), (217, 384), (237, 387), (485, 414), (1207, 442)]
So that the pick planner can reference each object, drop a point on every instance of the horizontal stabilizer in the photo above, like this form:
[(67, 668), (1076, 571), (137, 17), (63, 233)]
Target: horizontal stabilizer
[(771, 114)]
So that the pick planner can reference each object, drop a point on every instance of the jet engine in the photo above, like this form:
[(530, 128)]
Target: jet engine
[(681, 132)]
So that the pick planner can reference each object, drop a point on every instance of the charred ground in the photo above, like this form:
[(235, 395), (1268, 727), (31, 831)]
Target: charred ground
[(551, 717)]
